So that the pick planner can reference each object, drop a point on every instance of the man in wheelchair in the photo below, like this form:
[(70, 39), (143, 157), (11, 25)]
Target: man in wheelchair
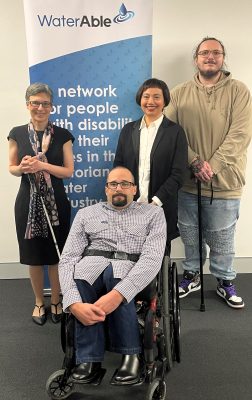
[(113, 251)]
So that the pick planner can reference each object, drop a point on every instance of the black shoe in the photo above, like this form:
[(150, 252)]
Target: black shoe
[(190, 283), (41, 319), (129, 370), (227, 291), (86, 372), (56, 318)]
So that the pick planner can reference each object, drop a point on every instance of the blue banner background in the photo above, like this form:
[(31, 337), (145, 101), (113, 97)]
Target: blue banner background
[(118, 68)]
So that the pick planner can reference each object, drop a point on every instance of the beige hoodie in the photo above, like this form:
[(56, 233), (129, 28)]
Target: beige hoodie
[(218, 125)]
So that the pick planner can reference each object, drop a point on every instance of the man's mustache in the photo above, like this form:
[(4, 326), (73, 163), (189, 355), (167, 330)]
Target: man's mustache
[(119, 194)]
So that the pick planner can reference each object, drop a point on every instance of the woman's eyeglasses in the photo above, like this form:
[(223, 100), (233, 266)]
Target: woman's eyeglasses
[(36, 104)]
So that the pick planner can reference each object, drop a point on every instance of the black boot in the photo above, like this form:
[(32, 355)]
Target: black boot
[(129, 369), (86, 372)]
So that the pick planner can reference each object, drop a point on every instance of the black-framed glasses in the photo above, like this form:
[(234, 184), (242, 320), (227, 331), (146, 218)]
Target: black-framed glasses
[(206, 53), (36, 104), (124, 185)]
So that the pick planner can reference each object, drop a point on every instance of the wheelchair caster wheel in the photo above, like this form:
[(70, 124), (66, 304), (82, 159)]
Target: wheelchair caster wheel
[(156, 390), (56, 386)]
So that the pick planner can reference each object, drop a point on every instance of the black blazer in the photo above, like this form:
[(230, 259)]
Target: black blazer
[(168, 163)]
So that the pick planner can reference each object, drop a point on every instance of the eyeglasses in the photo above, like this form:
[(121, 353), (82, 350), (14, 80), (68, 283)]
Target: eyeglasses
[(206, 53), (36, 104), (124, 185)]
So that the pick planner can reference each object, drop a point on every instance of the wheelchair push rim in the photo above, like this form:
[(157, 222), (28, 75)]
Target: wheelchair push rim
[(166, 319), (175, 308)]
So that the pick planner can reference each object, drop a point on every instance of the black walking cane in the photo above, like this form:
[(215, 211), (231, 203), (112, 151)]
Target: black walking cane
[(202, 301), (33, 179)]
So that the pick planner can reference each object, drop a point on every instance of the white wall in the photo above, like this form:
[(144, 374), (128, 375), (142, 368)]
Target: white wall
[(14, 81), (178, 27)]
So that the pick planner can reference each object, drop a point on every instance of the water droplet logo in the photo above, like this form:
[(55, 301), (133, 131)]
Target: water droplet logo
[(123, 15)]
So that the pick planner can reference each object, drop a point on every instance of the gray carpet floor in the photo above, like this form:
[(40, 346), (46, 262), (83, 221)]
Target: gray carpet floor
[(216, 350)]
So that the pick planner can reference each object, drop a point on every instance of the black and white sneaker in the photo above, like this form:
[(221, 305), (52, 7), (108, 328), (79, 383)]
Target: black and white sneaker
[(190, 283), (227, 291)]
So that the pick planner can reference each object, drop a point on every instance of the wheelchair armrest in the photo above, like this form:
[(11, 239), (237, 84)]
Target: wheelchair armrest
[(148, 292)]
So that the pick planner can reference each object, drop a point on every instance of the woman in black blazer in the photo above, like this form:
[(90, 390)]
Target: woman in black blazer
[(154, 149)]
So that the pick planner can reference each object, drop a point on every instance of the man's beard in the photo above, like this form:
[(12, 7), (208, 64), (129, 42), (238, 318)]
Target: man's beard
[(209, 73), (119, 200)]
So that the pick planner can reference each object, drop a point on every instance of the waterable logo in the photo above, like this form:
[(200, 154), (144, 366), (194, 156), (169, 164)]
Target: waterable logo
[(123, 15), (85, 21)]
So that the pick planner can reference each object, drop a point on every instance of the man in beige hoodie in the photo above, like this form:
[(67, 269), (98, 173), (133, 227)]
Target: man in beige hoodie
[(215, 112)]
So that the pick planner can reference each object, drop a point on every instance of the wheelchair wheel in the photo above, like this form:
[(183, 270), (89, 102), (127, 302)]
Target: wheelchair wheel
[(175, 307), (166, 323), (156, 390), (56, 387)]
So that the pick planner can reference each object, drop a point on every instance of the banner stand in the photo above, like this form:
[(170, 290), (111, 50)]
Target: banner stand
[(94, 56), (47, 290)]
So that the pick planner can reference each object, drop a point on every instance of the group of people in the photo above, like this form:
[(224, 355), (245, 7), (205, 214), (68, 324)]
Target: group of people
[(198, 132)]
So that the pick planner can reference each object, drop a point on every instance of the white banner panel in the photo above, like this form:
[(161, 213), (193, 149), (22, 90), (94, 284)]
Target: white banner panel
[(58, 27)]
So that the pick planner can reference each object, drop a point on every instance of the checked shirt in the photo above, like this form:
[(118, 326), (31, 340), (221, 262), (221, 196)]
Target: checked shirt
[(139, 228)]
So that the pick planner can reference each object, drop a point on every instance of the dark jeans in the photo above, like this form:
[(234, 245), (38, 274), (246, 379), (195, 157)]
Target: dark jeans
[(121, 325)]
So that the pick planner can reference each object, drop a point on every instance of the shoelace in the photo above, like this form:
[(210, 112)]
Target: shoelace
[(185, 282), (230, 290)]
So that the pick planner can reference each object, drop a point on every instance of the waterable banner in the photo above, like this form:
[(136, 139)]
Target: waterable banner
[(94, 55)]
